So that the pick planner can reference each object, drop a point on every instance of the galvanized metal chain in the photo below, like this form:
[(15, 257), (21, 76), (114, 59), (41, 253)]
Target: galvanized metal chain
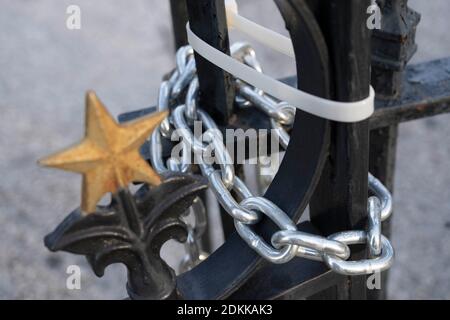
[(245, 208)]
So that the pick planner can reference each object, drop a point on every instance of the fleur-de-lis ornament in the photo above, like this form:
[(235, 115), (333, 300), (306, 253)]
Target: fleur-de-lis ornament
[(133, 227)]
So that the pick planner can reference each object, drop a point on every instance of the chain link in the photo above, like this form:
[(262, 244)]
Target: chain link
[(281, 219), (245, 208), (365, 266), (374, 229), (195, 232)]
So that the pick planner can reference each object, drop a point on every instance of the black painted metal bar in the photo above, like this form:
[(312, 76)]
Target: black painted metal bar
[(340, 200), (392, 47), (207, 19), (426, 92), (179, 14)]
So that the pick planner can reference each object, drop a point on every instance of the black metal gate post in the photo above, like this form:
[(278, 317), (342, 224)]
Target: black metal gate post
[(340, 200), (208, 20), (392, 47), (179, 14)]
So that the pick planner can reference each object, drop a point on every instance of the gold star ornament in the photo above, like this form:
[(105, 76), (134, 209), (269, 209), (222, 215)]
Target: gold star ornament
[(108, 157)]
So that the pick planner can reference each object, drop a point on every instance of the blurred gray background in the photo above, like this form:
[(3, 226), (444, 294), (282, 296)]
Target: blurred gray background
[(122, 51)]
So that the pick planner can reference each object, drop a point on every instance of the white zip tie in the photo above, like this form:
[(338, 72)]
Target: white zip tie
[(324, 108)]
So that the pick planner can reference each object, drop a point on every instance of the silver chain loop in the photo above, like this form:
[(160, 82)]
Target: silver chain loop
[(312, 242), (365, 266), (281, 219), (191, 100), (246, 209), (225, 198), (280, 129), (195, 232), (374, 233), (383, 194)]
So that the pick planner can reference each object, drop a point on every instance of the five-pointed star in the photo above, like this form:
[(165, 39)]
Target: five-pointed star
[(108, 156)]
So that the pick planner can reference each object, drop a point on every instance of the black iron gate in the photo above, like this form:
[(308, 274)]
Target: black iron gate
[(334, 64), (337, 58)]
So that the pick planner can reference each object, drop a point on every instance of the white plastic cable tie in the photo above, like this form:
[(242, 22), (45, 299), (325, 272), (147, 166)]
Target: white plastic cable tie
[(324, 108)]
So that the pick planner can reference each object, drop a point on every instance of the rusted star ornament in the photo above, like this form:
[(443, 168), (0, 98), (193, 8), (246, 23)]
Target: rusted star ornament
[(108, 156)]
